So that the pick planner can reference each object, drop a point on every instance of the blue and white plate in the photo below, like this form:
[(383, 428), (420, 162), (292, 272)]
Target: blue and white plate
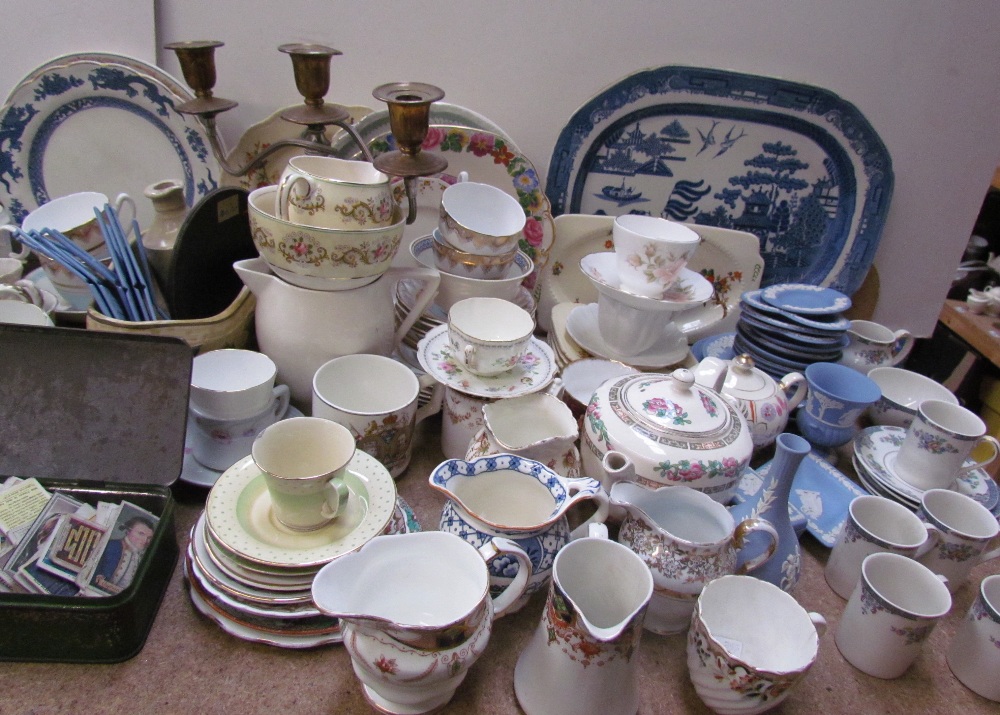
[(830, 323), (100, 122), (803, 299), (830, 342), (697, 145), (774, 321), (787, 348), (820, 492), (717, 346)]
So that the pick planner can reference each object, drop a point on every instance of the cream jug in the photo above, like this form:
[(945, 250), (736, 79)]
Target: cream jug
[(687, 539), (581, 659), (872, 345), (301, 329), (416, 613), (519, 499), (539, 426)]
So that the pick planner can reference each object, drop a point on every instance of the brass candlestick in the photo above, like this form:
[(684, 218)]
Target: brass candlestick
[(409, 118), (311, 65)]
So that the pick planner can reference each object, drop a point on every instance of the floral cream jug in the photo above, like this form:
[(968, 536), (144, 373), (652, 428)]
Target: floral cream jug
[(687, 539), (666, 430), (416, 613), (873, 345), (539, 426), (519, 499), (764, 403)]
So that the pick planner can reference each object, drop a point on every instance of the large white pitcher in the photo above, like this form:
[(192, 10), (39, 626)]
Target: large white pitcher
[(421, 602), (581, 658), (301, 329)]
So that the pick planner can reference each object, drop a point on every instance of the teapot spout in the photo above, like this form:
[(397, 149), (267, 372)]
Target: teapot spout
[(617, 467)]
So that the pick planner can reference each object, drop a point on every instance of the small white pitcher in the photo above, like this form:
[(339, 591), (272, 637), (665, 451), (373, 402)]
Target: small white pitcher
[(873, 345)]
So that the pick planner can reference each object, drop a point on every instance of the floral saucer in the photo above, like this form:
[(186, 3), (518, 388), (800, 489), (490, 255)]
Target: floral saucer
[(535, 370), (876, 449), (582, 326), (239, 515), (688, 290), (805, 299)]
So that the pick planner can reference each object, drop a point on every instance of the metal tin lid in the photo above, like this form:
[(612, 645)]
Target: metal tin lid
[(92, 406)]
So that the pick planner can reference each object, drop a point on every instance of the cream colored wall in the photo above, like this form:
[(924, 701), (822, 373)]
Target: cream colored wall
[(922, 71)]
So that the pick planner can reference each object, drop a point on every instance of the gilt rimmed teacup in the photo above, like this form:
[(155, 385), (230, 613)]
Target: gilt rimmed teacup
[(328, 192), (974, 654), (967, 530), (488, 336)]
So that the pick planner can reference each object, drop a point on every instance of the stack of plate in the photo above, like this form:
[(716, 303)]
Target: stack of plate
[(253, 576), (875, 452), (788, 326)]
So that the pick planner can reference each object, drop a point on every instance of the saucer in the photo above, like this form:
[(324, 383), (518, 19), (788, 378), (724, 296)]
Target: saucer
[(717, 346), (196, 473), (239, 515), (581, 324), (822, 493), (805, 299), (690, 288), (829, 323), (876, 449), (535, 370)]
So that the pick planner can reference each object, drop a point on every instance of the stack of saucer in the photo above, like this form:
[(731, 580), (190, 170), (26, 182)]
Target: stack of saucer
[(874, 459), (253, 576), (788, 326)]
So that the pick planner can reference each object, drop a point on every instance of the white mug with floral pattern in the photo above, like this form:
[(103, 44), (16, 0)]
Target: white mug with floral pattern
[(967, 529), (938, 442), (893, 609)]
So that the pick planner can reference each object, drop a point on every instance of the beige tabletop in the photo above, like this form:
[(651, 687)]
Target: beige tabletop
[(189, 665)]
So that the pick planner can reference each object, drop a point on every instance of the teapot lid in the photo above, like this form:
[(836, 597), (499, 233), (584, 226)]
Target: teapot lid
[(745, 381), (664, 406)]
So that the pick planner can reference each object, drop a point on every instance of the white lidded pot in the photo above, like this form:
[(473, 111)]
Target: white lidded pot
[(665, 429)]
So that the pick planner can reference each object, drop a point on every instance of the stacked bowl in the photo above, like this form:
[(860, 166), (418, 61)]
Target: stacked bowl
[(788, 326), (475, 247)]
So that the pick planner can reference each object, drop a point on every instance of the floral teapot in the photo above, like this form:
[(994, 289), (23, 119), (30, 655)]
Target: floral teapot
[(665, 429), (764, 403)]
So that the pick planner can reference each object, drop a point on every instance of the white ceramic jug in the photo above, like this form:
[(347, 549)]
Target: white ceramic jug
[(873, 345), (300, 329), (581, 659)]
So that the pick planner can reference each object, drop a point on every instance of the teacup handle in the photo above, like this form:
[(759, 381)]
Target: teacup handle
[(819, 623), (282, 396), (120, 203), (496, 547), (987, 439), (336, 497), (433, 405), (798, 381), (11, 230), (933, 539), (288, 180), (744, 529), (469, 357)]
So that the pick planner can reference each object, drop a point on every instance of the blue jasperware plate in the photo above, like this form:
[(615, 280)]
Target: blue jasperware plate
[(99, 122), (795, 165)]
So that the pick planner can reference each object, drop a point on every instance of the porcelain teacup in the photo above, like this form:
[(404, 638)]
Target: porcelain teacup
[(304, 460), (480, 218), (328, 192), (233, 384), (967, 530), (10, 269), (973, 656), (220, 443), (651, 252), (488, 335)]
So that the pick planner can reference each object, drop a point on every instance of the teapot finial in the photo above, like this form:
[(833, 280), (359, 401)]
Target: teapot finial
[(683, 379), (743, 363)]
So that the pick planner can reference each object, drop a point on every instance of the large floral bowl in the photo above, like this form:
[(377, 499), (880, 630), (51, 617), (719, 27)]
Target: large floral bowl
[(321, 258), (668, 430)]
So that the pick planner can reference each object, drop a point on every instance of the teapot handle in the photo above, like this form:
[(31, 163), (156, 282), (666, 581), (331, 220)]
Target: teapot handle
[(744, 529), (798, 381), (493, 549)]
